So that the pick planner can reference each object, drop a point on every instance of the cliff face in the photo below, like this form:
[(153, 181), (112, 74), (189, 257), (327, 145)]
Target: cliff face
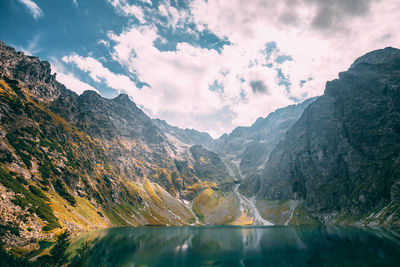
[(249, 147), (85, 162), (35, 74), (342, 156), (129, 135), (187, 136)]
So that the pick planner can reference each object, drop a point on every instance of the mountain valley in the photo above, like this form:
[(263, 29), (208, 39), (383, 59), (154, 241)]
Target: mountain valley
[(84, 162)]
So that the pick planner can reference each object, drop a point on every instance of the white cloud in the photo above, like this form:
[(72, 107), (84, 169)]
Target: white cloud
[(320, 47), (147, 2), (176, 18), (180, 81), (162, 69), (33, 8), (73, 83), (322, 37), (75, 2), (126, 9), (69, 79), (144, 96), (104, 42), (101, 74)]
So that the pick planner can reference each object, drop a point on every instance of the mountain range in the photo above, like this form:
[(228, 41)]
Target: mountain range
[(85, 162)]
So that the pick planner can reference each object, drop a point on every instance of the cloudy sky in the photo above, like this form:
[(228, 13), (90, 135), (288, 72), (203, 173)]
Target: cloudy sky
[(208, 65)]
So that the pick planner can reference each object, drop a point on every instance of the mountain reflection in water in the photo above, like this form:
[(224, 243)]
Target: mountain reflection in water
[(243, 246)]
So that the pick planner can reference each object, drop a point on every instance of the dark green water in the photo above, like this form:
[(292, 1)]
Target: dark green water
[(244, 246)]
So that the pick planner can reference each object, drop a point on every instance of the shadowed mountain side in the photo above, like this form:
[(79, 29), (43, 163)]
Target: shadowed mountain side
[(86, 162), (249, 147), (342, 156)]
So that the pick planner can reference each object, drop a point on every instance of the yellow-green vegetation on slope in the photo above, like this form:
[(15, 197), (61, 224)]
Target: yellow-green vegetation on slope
[(211, 184), (166, 208), (156, 207), (150, 189), (125, 214), (175, 206), (58, 173), (230, 209), (245, 216), (28, 198), (84, 162), (205, 202), (243, 219), (211, 207), (82, 216), (285, 212), (300, 216)]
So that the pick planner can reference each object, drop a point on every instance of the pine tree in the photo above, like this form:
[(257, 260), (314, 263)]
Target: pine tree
[(82, 255), (59, 254)]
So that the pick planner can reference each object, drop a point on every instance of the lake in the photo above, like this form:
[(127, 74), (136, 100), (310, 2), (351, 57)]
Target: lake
[(244, 246)]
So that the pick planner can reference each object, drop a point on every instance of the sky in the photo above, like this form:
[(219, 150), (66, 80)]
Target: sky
[(209, 65)]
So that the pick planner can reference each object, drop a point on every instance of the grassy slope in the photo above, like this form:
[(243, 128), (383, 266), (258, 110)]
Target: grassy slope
[(70, 172)]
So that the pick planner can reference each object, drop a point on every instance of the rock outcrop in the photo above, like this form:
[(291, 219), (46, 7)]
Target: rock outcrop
[(187, 136), (249, 147), (342, 157), (36, 74), (86, 162)]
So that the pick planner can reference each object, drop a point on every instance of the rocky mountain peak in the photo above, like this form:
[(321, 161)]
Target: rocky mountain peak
[(341, 155), (123, 98), (388, 56), (90, 96), (104, 160), (250, 146), (36, 74), (187, 136)]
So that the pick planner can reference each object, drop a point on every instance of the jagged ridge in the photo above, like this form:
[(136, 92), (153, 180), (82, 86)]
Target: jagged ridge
[(342, 156)]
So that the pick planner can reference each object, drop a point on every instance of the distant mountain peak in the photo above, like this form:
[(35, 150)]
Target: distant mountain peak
[(388, 55), (36, 74), (341, 156), (123, 97), (91, 93)]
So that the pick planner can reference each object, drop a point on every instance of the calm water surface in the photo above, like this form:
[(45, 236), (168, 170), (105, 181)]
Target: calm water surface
[(244, 246)]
